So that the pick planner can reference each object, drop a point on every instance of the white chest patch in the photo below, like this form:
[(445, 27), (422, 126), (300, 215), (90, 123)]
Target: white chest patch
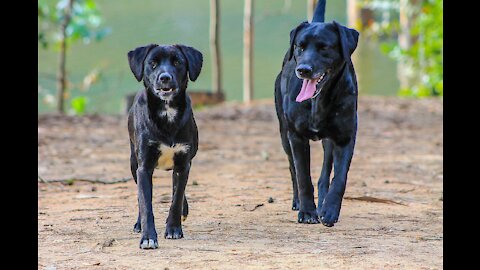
[(169, 112), (165, 161)]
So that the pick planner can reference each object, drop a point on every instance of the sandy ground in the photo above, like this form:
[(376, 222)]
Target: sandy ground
[(239, 167)]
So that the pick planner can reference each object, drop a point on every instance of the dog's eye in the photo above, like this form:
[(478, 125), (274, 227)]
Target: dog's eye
[(175, 62), (301, 47), (153, 64), (322, 46)]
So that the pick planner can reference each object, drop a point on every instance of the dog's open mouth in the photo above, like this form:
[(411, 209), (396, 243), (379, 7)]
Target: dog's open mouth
[(311, 88), (164, 91)]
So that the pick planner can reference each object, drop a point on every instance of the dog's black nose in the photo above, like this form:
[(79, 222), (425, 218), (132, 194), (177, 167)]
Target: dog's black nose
[(304, 70), (165, 77)]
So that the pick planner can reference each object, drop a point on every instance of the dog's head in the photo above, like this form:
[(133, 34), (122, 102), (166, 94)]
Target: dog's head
[(165, 70), (320, 50)]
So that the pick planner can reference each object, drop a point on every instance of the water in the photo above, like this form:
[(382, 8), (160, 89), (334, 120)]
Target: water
[(141, 22)]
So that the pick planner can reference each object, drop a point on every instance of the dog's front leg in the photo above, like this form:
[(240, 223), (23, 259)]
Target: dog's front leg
[(342, 156), (174, 220), (301, 159), (149, 234)]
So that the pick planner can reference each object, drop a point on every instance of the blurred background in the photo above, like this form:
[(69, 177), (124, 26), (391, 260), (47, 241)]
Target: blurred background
[(83, 45)]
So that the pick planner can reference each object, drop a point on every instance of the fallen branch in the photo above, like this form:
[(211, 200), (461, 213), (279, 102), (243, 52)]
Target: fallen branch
[(406, 190), (42, 180), (372, 199), (254, 207), (96, 181)]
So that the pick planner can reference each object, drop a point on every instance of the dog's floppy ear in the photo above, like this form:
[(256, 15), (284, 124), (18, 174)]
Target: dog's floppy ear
[(348, 40), (194, 60), (136, 59), (293, 35)]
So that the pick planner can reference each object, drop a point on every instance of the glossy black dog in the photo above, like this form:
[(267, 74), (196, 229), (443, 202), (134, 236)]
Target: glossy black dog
[(316, 98), (162, 130)]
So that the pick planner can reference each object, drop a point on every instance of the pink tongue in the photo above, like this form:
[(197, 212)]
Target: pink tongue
[(308, 89)]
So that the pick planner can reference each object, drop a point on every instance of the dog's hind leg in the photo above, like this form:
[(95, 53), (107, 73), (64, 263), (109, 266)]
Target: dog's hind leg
[(286, 143), (138, 225), (133, 167), (185, 203), (185, 208), (288, 151), (133, 162), (324, 180)]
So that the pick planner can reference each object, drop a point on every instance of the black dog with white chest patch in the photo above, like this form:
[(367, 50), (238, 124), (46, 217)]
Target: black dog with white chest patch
[(316, 98), (162, 130)]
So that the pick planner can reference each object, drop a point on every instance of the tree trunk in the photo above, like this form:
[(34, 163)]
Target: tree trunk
[(61, 75), (311, 4), (408, 14), (215, 47), (353, 14), (354, 21), (248, 51)]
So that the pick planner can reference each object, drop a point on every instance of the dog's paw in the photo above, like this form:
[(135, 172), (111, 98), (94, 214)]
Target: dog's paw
[(173, 232), (137, 227), (149, 239), (329, 215), (309, 217), (148, 243), (295, 204)]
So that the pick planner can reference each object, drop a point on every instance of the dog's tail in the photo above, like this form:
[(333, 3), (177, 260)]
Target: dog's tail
[(319, 13)]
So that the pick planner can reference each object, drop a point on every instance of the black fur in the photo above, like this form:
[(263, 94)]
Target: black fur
[(319, 13), (325, 49), (160, 121)]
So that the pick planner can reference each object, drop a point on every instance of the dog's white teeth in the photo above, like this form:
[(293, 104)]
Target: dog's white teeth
[(321, 78), (317, 92)]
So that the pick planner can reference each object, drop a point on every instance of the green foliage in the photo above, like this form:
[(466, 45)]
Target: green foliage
[(85, 21), (425, 57), (79, 105), (69, 182), (380, 26), (45, 21), (84, 24)]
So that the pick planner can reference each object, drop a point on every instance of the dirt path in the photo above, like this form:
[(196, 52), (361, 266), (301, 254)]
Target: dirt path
[(240, 165)]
